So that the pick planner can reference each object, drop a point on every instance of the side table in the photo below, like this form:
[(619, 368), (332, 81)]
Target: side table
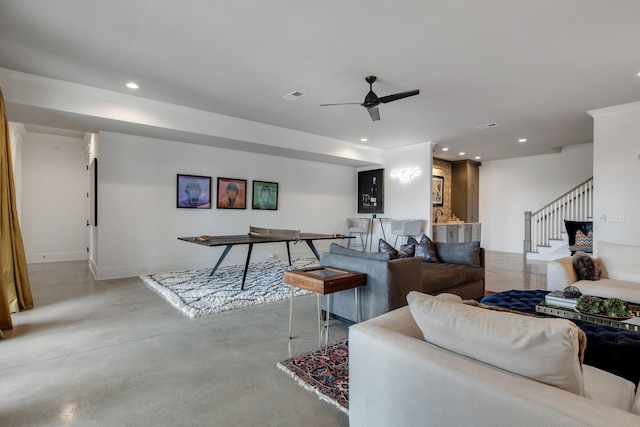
[(323, 281)]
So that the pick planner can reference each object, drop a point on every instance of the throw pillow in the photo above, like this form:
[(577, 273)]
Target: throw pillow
[(407, 251), (425, 249), (586, 268), (341, 250), (543, 349), (467, 253), (383, 246), (584, 239)]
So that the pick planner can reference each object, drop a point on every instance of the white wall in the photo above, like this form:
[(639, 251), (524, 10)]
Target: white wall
[(138, 222), (54, 198), (407, 199), (510, 187), (616, 173)]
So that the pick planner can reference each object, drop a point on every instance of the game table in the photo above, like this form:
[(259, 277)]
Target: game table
[(258, 235)]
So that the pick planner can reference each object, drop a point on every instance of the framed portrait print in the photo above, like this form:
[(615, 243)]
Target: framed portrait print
[(265, 195), (232, 193), (193, 191), (371, 191), (437, 190)]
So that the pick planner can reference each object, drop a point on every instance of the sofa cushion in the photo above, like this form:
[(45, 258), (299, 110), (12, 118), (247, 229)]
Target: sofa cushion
[(607, 388), (467, 253), (425, 249), (341, 250), (620, 262), (545, 350), (439, 277), (383, 246), (407, 251), (586, 267)]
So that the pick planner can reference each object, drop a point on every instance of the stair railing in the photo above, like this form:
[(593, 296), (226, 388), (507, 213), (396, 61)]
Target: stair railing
[(547, 223)]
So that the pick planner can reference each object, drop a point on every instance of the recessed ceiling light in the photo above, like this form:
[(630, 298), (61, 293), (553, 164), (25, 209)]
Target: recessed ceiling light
[(445, 149), (477, 157), (363, 139), (522, 140), (461, 153), (638, 74), (132, 85)]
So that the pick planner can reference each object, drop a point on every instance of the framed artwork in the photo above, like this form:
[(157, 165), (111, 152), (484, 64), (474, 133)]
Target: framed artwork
[(193, 192), (371, 191), (437, 190), (265, 195), (232, 193)]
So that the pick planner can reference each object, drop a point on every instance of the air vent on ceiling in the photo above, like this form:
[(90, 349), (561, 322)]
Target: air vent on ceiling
[(488, 125), (293, 96)]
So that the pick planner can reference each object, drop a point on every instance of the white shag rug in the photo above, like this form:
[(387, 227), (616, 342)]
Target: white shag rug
[(195, 293)]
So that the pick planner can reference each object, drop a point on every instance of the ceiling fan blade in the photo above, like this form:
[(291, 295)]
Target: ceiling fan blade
[(374, 113), (342, 103), (397, 96)]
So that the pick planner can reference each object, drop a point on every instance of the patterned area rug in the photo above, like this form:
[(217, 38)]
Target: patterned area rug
[(327, 375), (195, 293)]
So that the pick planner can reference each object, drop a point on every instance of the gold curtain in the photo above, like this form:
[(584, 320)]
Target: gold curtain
[(15, 292)]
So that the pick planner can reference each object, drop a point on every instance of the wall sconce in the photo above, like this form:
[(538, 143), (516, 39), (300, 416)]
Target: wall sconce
[(404, 174)]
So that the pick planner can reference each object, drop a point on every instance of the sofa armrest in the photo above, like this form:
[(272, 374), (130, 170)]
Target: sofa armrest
[(388, 284), (560, 274)]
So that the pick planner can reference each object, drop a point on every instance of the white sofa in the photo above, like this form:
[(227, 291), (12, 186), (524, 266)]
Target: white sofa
[(619, 273), (396, 378)]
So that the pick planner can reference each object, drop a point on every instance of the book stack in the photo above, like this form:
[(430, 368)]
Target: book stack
[(557, 299)]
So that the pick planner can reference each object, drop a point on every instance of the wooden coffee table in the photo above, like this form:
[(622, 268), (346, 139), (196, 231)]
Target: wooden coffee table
[(323, 281)]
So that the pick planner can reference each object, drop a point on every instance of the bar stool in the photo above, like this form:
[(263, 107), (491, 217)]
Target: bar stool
[(404, 228), (357, 226)]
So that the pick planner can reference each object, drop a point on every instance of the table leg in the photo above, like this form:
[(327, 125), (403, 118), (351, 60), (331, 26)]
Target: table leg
[(357, 307), (288, 253), (291, 312), (371, 230), (246, 266), (318, 296), (313, 248), (224, 254), (384, 236), (326, 325)]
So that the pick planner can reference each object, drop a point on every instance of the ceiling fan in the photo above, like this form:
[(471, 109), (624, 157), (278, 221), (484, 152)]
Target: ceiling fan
[(371, 101)]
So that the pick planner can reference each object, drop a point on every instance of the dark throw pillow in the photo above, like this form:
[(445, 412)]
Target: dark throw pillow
[(465, 253), (425, 249), (586, 267), (383, 246), (407, 251)]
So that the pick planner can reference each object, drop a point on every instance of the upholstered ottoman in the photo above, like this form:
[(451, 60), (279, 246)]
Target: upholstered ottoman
[(610, 349)]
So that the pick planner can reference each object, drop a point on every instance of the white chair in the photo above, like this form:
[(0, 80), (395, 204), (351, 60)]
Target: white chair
[(406, 227), (357, 226)]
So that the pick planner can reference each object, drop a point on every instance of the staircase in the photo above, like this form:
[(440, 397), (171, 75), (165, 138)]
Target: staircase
[(545, 237)]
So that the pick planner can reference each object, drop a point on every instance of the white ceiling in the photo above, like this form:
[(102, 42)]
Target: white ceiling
[(533, 67)]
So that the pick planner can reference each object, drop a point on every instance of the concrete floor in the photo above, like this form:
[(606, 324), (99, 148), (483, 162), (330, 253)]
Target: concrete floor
[(114, 353)]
